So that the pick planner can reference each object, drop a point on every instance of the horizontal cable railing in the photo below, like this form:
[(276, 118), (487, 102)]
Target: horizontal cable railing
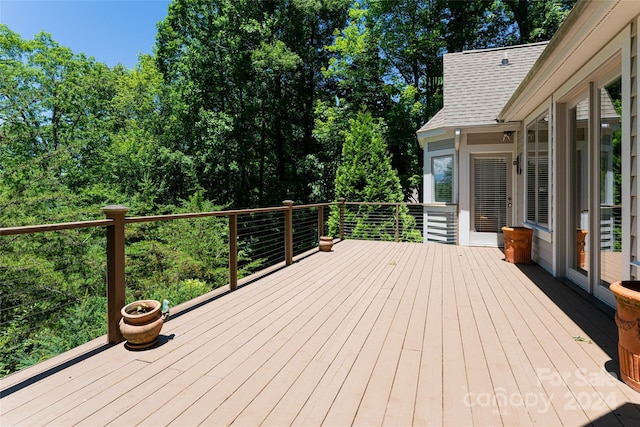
[(58, 278), (406, 222)]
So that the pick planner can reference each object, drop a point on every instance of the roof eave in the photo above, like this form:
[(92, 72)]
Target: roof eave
[(548, 73), (438, 134)]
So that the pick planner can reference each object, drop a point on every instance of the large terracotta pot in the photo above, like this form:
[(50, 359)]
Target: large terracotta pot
[(517, 244), (580, 243), (141, 323), (627, 295), (325, 243)]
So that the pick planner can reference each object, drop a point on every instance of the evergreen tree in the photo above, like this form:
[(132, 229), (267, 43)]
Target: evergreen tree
[(366, 175)]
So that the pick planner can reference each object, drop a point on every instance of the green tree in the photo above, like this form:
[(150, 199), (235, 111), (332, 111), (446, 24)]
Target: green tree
[(365, 174), (537, 20), (244, 78)]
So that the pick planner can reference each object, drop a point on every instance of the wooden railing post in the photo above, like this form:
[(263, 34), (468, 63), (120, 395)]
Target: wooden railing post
[(233, 252), (115, 270), (288, 232), (320, 222), (397, 222), (342, 199)]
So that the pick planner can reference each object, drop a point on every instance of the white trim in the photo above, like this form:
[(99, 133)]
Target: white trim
[(589, 72), (464, 194), (425, 137), (547, 105), (578, 278), (560, 142), (626, 157), (540, 232), (544, 233), (429, 181), (593, 188)]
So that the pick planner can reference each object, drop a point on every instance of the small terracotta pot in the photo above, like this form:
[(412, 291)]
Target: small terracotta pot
[(141, 330), (627, 295), (517, 244), (325, 243)]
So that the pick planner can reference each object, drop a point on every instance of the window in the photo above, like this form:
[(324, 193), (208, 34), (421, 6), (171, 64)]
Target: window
[(538, 179), (442, 170)]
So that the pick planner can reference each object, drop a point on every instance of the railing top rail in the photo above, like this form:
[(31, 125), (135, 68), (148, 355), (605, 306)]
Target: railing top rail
[(8, 231), (154, 218), (30, 229), (314, 205), (436, 204)]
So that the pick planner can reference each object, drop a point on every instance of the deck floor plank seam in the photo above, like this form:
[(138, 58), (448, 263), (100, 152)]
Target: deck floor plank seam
[(235, 363), (582, 395), (543, 324), (308, 344), (373, 333)]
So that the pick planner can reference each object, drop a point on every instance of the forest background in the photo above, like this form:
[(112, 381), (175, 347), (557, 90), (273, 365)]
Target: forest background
[(243, 104)]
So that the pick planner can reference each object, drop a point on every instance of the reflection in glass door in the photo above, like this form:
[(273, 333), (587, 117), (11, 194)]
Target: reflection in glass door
[(579, 203), (610, 235)]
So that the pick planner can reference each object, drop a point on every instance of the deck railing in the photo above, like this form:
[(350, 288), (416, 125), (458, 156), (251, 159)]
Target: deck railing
[(413, 222), (256, 238)]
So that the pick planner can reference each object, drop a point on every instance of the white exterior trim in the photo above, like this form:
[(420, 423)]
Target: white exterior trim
[(626, 155), (592, 69), (428, 174)]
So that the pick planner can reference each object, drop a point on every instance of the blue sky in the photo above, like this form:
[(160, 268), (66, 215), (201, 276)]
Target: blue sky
[(112, 31)]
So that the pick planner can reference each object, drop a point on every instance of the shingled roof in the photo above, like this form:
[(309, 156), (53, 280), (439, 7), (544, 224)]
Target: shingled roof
[(477, 85)]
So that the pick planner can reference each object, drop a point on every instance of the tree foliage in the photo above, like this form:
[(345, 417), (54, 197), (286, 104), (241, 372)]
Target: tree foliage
[(245, 77), (366, 174)]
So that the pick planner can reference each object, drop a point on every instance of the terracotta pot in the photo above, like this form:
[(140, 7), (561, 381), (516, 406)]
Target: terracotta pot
[(581, 235), (141, 330), (517, 244), (325, 243), (627, 295)]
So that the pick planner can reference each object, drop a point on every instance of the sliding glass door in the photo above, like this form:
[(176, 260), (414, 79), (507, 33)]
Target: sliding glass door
[(610, 183)]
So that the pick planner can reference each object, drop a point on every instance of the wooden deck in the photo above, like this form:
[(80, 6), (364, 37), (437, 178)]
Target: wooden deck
[(371, 333)]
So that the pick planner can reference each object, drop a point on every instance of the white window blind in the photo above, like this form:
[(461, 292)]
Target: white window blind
[(538, 179), (490, 198)]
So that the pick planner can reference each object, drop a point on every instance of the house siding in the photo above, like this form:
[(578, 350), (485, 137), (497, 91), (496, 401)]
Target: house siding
[(542, 253)]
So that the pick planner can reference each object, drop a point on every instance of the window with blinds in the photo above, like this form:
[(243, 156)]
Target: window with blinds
[(490, 194), (538, 179)]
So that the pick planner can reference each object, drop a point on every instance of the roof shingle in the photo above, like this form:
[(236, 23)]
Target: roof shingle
[(477, 85)]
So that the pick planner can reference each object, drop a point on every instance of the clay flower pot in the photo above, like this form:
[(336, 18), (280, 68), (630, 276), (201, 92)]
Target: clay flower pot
[(141, 323), (580, 243), (517, 244), (627, 295), (325, 243)]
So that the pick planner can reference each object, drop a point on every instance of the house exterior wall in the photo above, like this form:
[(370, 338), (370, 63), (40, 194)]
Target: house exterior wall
[(553, 250), (598, 44)]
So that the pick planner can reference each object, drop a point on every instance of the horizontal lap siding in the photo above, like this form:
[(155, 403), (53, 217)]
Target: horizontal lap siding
[(542, 253)]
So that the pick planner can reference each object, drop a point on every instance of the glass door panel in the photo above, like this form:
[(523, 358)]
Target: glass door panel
[(491, 198), (610, 235), (579, 190)]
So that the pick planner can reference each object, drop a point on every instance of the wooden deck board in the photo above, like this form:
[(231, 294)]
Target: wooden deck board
[(372, 333)]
